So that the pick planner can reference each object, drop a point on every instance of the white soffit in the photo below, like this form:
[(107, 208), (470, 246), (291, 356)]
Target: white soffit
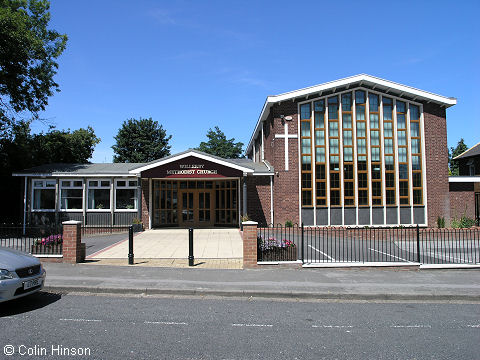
[(464, 179), (363, 79)]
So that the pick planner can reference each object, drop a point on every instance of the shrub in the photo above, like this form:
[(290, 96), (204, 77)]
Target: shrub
[(440, 222), (50, 240), (288, 223)]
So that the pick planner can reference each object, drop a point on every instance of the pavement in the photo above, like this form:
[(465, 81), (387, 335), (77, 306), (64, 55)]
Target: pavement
[(214, 243), (277, 282)]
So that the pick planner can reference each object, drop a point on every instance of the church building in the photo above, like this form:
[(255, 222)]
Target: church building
[(360, 151)]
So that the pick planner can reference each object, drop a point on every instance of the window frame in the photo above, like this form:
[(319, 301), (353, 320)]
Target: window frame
[(88, 187), (127, 187), (60, 188), (43, 187)]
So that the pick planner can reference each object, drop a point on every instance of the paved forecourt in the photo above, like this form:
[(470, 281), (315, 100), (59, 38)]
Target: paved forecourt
[(214, 243)]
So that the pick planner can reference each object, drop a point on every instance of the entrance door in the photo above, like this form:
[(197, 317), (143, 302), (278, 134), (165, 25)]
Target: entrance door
[(196, 208)]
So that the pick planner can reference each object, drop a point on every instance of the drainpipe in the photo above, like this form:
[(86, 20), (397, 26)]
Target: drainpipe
[(244, 195), (25, 205)]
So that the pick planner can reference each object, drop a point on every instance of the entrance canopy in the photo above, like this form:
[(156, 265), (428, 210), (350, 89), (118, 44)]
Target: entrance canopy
[(195, 189)]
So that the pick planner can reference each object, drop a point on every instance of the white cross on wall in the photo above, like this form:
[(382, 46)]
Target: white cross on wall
[(286, 136)]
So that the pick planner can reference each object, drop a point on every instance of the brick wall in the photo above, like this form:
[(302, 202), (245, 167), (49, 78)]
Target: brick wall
[(286, 199), (258, 198), (145, 203), (436, 155), (462, 200)]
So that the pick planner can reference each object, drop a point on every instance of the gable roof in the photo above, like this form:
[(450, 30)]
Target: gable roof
[(232, 163), (473, 151), (393, 88)]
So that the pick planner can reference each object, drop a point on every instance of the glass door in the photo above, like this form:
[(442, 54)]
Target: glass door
[(187, 217)]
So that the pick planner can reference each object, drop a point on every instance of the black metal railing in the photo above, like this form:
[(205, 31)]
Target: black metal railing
[(368, 245), (278, 243), (33, 239), (103, 230)]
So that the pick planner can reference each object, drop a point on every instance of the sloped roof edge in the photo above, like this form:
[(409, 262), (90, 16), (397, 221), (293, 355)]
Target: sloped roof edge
[(365, 78)]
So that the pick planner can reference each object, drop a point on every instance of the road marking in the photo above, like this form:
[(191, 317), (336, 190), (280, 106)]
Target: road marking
[(165, 323), (81, 320), (411, 326), (332, 326), (393, 256), (321, 252), (474, 326), (253, 325)]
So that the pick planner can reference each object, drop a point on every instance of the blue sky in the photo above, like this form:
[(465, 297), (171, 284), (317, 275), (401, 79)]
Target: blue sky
[(192, 65)]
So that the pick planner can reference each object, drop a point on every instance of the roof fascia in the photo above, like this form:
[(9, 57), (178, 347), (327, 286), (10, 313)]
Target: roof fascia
[(466, 151)]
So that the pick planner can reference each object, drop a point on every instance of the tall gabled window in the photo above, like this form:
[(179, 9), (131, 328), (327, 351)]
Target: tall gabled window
[(402, 152), (362, 146), (320, 146), (375, 149), (389, 151), (306, 154), (416, 151), (44, 194), (348, 150), (334, 151)]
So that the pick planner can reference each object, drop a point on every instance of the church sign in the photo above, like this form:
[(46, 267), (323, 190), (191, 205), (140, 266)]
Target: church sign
[(191, 167)]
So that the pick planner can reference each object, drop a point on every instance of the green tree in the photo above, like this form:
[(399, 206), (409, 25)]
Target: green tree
[(141, 140), (28, 53), (218, 145), (453, 152), (21, 149)]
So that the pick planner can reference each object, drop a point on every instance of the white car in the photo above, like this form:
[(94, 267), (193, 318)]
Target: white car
[(20, 274)]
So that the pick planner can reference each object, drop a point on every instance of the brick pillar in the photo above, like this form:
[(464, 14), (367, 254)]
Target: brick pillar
[(249, 244), (72, 237)]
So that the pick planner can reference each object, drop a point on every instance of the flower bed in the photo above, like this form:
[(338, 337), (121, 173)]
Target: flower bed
[(52, 244), (273, 249)]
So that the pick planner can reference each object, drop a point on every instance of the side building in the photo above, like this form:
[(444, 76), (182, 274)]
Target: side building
[(360, 151), (465, 188)]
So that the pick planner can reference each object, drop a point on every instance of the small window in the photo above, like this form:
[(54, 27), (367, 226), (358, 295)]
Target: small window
[(44, 194), (99, 195), (126, 195), (71, 195)]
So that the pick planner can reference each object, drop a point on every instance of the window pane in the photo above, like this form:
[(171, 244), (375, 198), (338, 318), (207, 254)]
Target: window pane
[(388, 129), (334, 146), (71, 199), (320, 137), (65, 184), (414, 129), (360, 97), (375, 137), (44, 199), (374, 121), (99, 199), (121, 183), (333, 128), (375, 154), (414, 112), (415, 145), (333, 108), (105, 183), (319, 120), (306, 146), (373, 102), (347, 137), (347, 102), (320, 154), (416, 163), (305, 112), (305, 128), (348, 154), (125, 199), (347, 121)]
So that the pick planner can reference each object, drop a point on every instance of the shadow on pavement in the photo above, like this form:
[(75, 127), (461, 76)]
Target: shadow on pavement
[(28, 303)]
